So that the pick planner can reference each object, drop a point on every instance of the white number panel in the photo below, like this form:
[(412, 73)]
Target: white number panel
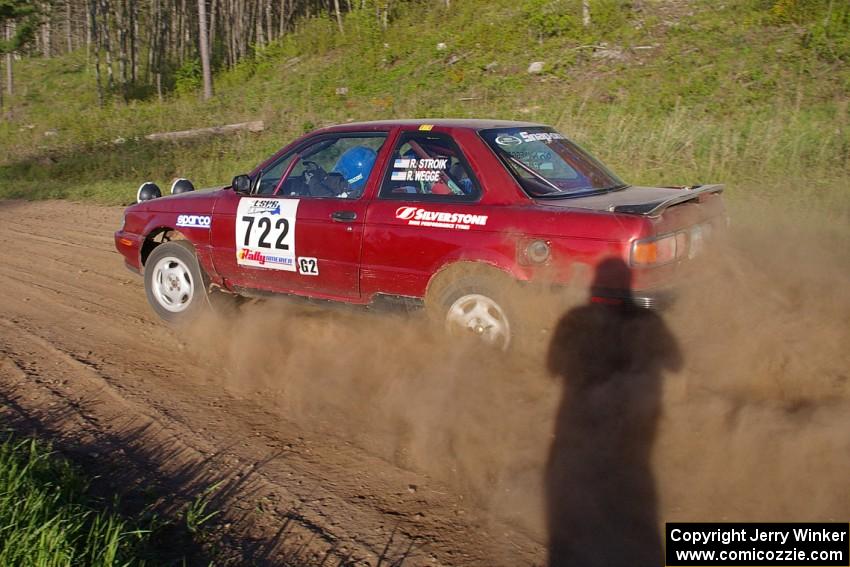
[(265, 233), (308, 266)]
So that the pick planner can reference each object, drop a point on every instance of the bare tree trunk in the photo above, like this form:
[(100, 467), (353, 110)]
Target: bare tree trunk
[(89, 26), (338, 16), (107, 43), (134, 42), (153, 28), (96, 45), (213, 14), (260, 33), (163, 45), (121, 25), (585, 13), (282, 27), (232, 31), (180, 32), (45, 29), (68, 43), (205, 49), (10, 83), (269, 15), (187, 39)]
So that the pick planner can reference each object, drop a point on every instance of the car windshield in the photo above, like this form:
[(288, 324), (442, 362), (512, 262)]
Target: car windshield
[(546, 164)]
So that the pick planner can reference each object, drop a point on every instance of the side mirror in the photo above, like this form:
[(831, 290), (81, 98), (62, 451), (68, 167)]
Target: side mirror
[(241, 184)]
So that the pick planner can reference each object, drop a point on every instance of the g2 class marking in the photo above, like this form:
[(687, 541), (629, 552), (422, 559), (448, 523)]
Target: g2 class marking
[(308, 266)]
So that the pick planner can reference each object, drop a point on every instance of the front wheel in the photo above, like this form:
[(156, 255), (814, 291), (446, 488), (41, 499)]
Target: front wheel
[(174, 284)]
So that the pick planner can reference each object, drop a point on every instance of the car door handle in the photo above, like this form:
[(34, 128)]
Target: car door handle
[(344, 216)]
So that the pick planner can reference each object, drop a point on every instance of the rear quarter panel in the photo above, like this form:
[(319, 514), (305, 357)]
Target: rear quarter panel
[(400, 255)]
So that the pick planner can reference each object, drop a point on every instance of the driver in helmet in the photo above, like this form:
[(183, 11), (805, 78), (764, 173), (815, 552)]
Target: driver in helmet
[(354, 165), (347, 178)]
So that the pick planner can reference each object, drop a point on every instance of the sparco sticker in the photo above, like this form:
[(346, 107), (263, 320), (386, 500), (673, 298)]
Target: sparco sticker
[(193, 221), (265, 233), (416, 216)]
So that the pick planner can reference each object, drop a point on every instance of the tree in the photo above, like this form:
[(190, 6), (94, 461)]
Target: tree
[(18, 21), (205, 49)]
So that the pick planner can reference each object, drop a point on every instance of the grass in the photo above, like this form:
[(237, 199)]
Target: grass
[(48, 516), (686, 92), (45, 517)]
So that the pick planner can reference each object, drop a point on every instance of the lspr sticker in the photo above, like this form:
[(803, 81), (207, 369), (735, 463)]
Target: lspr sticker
[(265, 233)]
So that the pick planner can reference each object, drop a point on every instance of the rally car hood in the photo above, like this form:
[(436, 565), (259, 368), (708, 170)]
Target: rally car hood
[(199, 201), (647, 201)]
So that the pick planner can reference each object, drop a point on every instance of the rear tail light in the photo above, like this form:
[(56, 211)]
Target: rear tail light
[(659, 250)]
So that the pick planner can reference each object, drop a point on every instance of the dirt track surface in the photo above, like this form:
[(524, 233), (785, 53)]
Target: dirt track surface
[(339, 437), (83, 355)]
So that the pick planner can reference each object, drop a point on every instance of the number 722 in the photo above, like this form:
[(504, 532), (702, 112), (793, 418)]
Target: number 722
[(265, 224)]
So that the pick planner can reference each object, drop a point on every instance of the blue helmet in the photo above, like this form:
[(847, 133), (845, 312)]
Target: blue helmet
[(355, 164)]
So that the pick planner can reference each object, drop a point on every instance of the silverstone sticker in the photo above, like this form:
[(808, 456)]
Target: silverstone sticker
[(416, 216), (308, 266), (265, 233), (193, 221)]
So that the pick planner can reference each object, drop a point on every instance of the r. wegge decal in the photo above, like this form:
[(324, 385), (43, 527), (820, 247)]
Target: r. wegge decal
[(424, 169), (194, 221), (416, 216)]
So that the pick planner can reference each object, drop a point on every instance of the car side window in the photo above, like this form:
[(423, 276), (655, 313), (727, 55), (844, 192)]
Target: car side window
[(429, 166), (334, 166), (270, 177)]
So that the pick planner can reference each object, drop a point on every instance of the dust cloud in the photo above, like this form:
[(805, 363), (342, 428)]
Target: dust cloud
[(754, 424)]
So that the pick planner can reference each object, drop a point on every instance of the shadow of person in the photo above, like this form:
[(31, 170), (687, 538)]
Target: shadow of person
[(600, 491)]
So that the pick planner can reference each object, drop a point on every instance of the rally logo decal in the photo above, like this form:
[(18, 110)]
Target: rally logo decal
[(417, 216), (265, 233)]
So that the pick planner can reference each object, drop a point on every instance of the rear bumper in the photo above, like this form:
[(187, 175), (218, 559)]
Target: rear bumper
[(655, 299)]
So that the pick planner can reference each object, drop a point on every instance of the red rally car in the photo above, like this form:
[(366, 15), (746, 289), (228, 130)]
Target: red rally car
[(447, 213)]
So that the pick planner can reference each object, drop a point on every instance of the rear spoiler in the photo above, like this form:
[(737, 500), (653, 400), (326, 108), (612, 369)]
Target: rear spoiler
[(655, 208)]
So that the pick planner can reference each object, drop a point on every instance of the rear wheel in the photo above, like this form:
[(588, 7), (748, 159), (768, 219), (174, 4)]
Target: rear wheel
[(478, 303), (174, 283), (481, 316)]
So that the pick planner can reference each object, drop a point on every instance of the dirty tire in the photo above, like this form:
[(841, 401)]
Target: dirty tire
[(476, 302), (174, 283)]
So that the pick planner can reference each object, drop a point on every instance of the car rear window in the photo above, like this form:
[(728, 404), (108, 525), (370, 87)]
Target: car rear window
[(546, 164)]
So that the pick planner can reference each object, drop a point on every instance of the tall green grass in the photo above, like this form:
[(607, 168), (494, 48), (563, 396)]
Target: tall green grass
[(46, 518)]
